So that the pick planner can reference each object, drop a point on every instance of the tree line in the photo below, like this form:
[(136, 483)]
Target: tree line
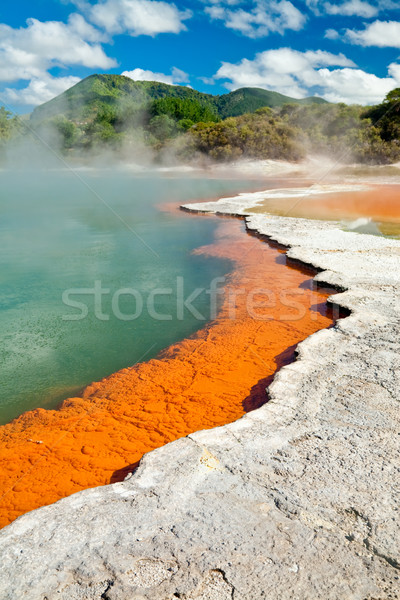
[(191, 128)]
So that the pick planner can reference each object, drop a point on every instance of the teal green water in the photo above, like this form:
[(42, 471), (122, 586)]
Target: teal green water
[(57, 234)]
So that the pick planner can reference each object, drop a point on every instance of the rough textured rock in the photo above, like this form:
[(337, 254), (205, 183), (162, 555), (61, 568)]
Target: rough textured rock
[(297, 500)]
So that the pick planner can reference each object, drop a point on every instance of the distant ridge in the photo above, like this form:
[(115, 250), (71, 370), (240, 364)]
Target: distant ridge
[(86, 98), (248, 99)]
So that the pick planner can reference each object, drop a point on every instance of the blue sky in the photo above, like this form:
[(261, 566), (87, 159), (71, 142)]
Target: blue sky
[(343, 51)]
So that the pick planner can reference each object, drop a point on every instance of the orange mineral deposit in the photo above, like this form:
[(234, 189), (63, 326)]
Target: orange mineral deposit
[(380, 203), (207, 380)]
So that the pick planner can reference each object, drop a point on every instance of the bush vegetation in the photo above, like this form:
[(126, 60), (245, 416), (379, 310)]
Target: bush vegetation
[(9, 125), (347, 133), (262, 134), (115, 112)]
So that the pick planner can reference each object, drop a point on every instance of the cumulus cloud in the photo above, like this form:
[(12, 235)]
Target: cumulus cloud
[(227, 2), (285, 70), (176, 78), (332, 34), (315, 6), (39, 90), (384, 34), (354, 86), (300, 74), (137, 17), (352, 8), (264, 18), (29, 51), (394, 71)]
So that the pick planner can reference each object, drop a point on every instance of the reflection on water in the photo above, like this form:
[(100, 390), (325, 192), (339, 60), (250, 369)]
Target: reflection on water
[(57, 234)]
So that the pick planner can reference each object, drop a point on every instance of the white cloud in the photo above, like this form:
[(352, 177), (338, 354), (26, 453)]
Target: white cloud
[(352, 8), (78, 25), (384, 34), (29, 51), (394, 71), (227, 2), (266, 17), (16, 63), (285, 70), (39, 90), (176, 78), (207, 80), (332, 34), (300, 74), (137, 17), (354, 86), (314, 6)]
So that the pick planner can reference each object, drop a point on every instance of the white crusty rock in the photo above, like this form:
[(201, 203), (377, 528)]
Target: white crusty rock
[(297, 500)]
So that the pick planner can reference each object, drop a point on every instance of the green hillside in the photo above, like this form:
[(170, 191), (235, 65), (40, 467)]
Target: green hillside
[(83, 101), (165, 123), (248, 100)]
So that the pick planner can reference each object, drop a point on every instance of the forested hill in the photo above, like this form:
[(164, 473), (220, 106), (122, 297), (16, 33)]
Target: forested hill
[(87, 98), (248, 100), (176, 123)]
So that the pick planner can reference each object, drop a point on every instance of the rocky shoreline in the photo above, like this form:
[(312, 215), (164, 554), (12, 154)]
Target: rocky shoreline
[(296, 500)]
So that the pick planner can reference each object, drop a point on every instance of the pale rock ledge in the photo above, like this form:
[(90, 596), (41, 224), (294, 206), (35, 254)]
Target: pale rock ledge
[(298, 500)]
